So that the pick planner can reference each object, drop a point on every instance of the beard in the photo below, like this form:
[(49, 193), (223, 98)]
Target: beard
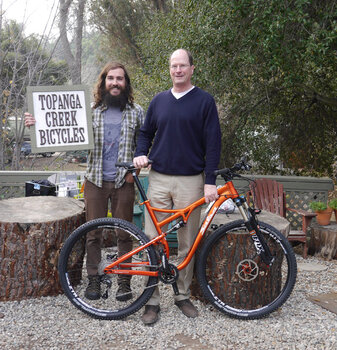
[(119, 101)]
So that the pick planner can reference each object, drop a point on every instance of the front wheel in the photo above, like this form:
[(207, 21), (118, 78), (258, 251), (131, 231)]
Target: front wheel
[(236, 281), (75, 265)]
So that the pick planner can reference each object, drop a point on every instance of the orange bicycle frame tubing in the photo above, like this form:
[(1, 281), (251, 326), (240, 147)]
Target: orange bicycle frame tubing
[(225, 192)]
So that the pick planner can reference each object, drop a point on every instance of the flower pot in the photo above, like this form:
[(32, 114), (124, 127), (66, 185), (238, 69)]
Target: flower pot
[(323, 217)]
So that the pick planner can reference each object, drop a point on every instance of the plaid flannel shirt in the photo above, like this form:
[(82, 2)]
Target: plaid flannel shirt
[(132, 120)]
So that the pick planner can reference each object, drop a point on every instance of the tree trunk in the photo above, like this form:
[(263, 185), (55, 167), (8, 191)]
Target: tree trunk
[(74, 61), (32, 232), (323, 240), (223, 275)]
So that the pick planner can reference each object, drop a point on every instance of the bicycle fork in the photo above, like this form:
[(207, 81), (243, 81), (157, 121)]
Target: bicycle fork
[(249, 217)]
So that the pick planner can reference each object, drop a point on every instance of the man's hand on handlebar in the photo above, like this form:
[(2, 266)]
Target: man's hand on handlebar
[(141, 162)]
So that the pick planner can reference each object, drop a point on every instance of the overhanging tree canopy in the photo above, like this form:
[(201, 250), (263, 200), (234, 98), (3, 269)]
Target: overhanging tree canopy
[(271, 66)]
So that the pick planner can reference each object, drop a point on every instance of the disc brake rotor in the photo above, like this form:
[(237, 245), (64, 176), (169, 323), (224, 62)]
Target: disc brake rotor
[(247, 270)]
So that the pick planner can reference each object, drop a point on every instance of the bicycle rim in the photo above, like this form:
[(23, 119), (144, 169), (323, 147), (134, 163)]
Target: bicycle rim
[(74, 267), (236, 281)]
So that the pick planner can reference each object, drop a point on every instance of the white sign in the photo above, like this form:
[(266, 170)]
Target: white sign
[(63, 118)]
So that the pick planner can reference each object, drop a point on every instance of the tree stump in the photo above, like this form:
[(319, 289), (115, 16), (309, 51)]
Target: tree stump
[(222, 266), (323, 240), (32, 231)]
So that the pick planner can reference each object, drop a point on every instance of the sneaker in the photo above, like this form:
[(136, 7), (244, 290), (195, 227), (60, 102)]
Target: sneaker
[(93, 291), (151, 314), (187, 308), (124, 292)]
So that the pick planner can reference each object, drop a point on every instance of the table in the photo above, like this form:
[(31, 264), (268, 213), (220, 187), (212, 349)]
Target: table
[(32, 231)]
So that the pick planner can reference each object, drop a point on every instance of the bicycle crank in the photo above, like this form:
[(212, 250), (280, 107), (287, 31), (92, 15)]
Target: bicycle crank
[(169, 274)]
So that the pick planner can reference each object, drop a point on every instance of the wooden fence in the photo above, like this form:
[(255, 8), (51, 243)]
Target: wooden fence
[(300, 191)]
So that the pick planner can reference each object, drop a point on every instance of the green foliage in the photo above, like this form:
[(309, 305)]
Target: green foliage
[(317, 206), (24, 61), (333, 204), (272, 67), (119, 23)]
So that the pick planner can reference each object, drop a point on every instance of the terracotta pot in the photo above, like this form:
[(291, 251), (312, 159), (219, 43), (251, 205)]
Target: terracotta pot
[(323, 217)]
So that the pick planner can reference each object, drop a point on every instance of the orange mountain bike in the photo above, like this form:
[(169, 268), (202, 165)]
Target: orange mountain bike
[(246, 269)]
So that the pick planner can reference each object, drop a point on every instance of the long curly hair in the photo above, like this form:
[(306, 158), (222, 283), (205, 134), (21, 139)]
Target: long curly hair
[(99, 90)]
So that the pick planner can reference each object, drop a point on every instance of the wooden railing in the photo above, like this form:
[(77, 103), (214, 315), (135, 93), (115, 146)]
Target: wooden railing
[(300, 191)]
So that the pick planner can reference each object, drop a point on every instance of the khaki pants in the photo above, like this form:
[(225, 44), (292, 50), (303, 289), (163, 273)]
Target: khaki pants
[(166, 191), (96, 206)]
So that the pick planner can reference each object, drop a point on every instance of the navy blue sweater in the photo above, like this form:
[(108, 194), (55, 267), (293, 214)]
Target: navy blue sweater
[(185, 133)]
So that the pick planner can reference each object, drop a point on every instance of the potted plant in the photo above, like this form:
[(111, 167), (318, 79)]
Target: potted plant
[(333, 205), (323, 212)]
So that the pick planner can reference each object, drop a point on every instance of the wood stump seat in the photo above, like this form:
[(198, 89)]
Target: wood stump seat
[(32, 231), (261, 290), (323, 240)]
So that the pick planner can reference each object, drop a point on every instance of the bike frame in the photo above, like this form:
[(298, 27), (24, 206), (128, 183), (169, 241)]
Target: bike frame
[(225, 192)]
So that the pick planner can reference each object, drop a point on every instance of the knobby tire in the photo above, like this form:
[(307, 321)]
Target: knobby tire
[(235, 280), (74, 276)]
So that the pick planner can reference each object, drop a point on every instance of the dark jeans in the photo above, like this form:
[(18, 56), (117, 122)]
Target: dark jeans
[(96, 206)]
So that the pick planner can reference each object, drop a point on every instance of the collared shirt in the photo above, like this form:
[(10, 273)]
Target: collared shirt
[(132, 120)]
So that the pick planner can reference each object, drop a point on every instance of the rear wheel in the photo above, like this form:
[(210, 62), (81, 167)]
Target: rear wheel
[(236, 281), (74, 275)]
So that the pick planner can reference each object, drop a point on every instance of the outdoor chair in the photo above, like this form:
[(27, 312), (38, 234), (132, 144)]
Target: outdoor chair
[(269, 195)]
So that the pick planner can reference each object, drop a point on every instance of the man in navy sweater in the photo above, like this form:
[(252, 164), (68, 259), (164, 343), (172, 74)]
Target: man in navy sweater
[(182, 126)]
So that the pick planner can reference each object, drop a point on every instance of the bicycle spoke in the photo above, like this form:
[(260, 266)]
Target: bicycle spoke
[(236, 280), (76, 269)]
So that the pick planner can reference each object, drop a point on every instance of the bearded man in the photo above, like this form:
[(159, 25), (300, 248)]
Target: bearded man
[(116, 120)]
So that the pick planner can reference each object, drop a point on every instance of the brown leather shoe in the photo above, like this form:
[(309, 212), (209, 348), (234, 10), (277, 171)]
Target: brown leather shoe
[(93, 291), (124, 292), (187, 308), (151, 314)]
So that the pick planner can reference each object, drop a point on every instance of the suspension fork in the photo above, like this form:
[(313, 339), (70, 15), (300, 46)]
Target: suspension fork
[(249, 217)]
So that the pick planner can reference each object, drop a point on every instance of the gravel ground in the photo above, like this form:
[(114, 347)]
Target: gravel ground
[(53, 323)]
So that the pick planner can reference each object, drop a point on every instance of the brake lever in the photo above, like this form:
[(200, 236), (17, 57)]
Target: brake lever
[(246, 166)]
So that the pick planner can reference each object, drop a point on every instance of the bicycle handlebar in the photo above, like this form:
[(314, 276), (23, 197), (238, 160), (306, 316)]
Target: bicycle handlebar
[(229, 173), (226, 173), (128, 165)]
